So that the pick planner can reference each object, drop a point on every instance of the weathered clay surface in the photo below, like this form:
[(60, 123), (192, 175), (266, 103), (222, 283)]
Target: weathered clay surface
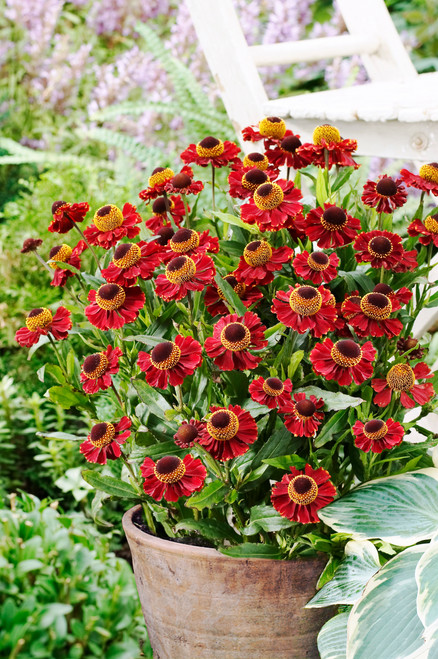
[(200, 604)]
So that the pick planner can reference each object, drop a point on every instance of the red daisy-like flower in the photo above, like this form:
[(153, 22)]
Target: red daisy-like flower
[(382, 249), (400, 379), (113, 306), (132, 260), (426, 179), (188, 242), (408, 343), (331, 226), (327, 142), (377, 435), (212, 151), (427, 230), (408, 262), (244, 182), (268, 128), (317, 266), (103, 442), (283, 152), (385, 194), (398, 298), (273, 206), (97, 370), (214, 298), (371, 317), (170, 362), (65, 215), (31, 245), (112, 224), (172, 477), (65, 254), (163, 208), (343, 361), (271, 392), (183, 183), (306, 308), (157, 183), (233, 337), (183, 274), (303, 417), (229, 432), (40, 322), (163, 236), (260, 261), (188, 433), (299, 495)]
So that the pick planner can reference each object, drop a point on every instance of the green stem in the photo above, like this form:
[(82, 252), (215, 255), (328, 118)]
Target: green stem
[(44, 264), (213, 174), (186, 210), (168, 214), (179, 392), (58, 356), (382, 274), (327, 174), (121, 403), (287, 173), (379, 224), (88, 245)]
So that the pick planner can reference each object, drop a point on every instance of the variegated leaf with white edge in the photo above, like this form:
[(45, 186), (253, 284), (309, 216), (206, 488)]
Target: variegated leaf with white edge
[(384, 622), (426, 576), (352, 575), (401, 509), (332, 639)]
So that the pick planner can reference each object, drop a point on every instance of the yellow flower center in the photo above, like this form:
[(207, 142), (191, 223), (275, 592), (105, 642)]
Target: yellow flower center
[(108, 217), (235, 337), (169, 469), (159, 176), (380, 247), (253, 178), (431, 223), (327, 133), (256, 160), (268, 196), (305, 300), (223, 425), (110, 297), (38, 319), (126, 255), (180, 269), (102, 434), (346, 353), (302, 490), (334, 218), (429, 172), (60, 253), (184, 240), (318, 261), (272, 127), (376, 306), (375, 429), (165, 355), (257, 253), (273, 387), (95, 365), (400, 377), (210, 147)]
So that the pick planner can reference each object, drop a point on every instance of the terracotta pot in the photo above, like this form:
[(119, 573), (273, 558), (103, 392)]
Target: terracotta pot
[(201, 604)]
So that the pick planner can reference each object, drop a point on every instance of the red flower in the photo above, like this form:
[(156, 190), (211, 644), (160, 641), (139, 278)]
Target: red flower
[(303, 418), (213, 298), (170, 362), (65, 215), (269, 127), (331, 226), (317, 266), (408, 343), (382, 249), (211, 150), (65, 254), (163, 207), (398, 298), (377, 435), (426, 180), (285, 152), (299, 495), (113, 306), (40, 322), (385, 194), (372, 316), (260, 261), (132, 260), (427, 230), (188, 433), (327, 142), (401, 380), (244, 182), (112, 224), (97, 370), (407, 262), (189, 242), (183, 183), (233, 337), (172, 477), (273, 206), (184, 274), (230, 431), (305, 308), (157, 183), (271, 392), (31, 245), (343, 361), (104, 441)]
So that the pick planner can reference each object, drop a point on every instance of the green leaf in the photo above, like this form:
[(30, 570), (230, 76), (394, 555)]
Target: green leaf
[(67, 397), (112, 486), (321, 187), (386, 615), (62, 436), (360, 279), (147, 339), (55, 371), (230, 295), (337, 423), (360, 563), (209, 496), (294, 362), (342, 178), (41, 342), (426, 576), (252, 550), (232, 219), (401, 509), (280, 443), (29, 565), (286, 461), (333, 399), (64, 266), (156, 403), (266, 518), (332, 639), (209, 528)]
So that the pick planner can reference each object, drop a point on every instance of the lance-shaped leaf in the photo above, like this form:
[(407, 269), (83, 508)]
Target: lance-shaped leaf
[(332, 639)]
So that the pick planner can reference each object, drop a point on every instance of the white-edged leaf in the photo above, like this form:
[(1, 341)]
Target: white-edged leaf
[(401, 509), (352, 575), (426, 576), (384, 623), (332, 639)]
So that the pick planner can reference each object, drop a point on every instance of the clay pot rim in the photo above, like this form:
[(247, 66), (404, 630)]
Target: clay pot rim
[(192, 551)]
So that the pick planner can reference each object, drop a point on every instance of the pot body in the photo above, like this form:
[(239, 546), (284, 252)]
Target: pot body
[(201, 604)]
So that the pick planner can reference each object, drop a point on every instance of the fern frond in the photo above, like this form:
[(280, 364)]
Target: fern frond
[(21, 155), (147, 156)]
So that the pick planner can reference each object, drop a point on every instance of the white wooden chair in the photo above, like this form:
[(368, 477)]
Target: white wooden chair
[(395, 115)]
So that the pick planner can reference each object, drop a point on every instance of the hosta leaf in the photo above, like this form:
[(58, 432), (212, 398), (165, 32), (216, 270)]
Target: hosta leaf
[(426, 576), (400, 509), (332, 639)]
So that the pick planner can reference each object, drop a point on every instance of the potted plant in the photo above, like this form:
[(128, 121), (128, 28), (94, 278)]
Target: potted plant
[(243, 365)]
